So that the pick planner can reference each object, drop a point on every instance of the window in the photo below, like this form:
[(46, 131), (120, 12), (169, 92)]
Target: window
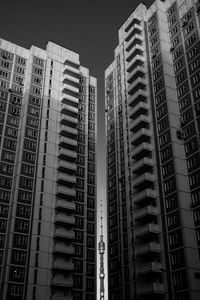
[(188, 131), (194, 180), (175, 239), (90, 202), (20, 241), (185, 103), (5, 182), (36, 80), (164, 139), (171, 202), (181, 76), (183, 89), (19, 257), (15, 290), (38, 61)]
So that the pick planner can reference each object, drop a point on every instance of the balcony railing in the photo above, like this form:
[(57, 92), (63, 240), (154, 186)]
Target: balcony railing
[(69, 110), (138, 84), (143, 150), (64, 219), (64, 234), (64, 283), (139, 60), (63, 178), (66, 250), (150, 288), (66, 266), (145, 212), (149, 268), (137, 49), (136, 73), (64, 142), (64, 205), (136, 39), (68, 131), (143, 165), (65, 192), (143, 135), (67, 155), (65, 165), (141, 121), (147, 230), (147, 248), (145, 197), (139, 96), (68, 120), (136, 29), (70, 76), (140, 108)]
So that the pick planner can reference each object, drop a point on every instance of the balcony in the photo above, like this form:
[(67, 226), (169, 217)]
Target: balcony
[(69, 132), (65, 250), (139, 60), (143, 135), (67, 86), (143, 150), (142, 166), (69, 97), (138, 84), (66, 166), (65, 179), (136, 29), (65, 192), (69, 91), (64, 234), (137, 49), (153, 267), (141, 121), (69, 110), (139, 96), (68, 120), (64, 219), (147, 230), (144, 181), (140, 108), (146, 213), (150, 288), (67, 155), (71, 65), (147, 248), (63, 266), (136, 73), (63, 283), (136, 39), (132, 23), (145, 197), (66, 206), (71, 77), (67, 142)]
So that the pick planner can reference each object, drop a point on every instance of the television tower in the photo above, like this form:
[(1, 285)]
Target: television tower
[(101, 253)]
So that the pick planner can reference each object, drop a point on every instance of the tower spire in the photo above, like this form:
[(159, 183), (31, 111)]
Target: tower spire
[(101, 253)]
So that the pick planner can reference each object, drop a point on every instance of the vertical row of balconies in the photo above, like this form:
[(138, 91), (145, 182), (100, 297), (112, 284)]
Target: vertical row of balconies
[(66, 180), (145, 214)]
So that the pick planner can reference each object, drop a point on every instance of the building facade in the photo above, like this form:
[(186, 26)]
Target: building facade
[(47, 174), (152, 101)]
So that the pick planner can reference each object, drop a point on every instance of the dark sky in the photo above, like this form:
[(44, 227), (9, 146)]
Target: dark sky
[(89, 27)]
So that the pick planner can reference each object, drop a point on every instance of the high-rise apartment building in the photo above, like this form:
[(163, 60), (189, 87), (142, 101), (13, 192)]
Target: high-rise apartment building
[(47, 174), (152, 92)]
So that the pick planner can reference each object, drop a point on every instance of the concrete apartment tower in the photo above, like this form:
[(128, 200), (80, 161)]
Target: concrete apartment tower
[(152, 100), (47, 174)]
